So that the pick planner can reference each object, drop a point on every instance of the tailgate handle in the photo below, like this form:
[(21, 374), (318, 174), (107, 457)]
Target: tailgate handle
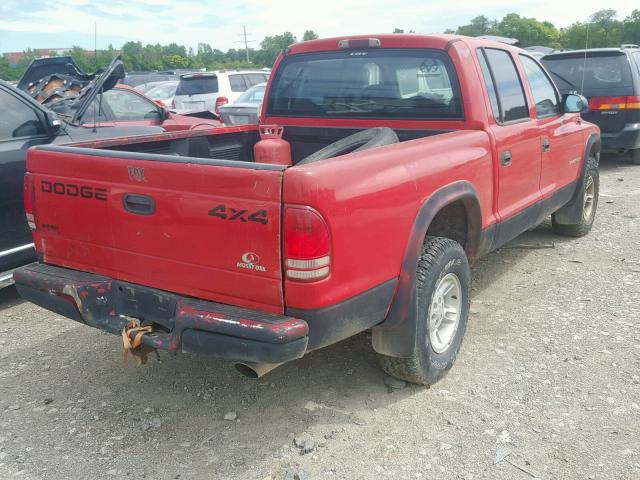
[(139, 204)]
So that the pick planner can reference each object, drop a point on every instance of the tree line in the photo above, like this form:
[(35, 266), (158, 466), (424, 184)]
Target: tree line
[(603, 29)]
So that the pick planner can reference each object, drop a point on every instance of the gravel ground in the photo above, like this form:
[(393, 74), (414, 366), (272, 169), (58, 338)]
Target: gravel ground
[(547, 385)]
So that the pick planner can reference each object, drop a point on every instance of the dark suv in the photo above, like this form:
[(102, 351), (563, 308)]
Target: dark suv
[(610, 79)]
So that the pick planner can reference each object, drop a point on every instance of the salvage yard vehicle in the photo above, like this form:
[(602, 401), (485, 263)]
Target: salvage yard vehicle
[(23, 124), (210, 90), (610, 79), (98, 99), (246, 109), (403, 159)]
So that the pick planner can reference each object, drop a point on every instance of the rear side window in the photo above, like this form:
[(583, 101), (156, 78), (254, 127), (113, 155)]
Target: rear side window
[(255, 78), (198, 85), (381, 83), (636, 57), (595, 71), (511, 99), (17, 119), (237, 83), (544, 95), (491, 90)]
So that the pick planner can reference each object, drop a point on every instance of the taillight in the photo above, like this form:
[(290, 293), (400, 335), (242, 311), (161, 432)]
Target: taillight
[(307, 245), (219, 102), (614, 103), (29, 201)]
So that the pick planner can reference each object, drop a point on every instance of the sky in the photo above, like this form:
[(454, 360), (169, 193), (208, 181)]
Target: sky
[(47, 24)]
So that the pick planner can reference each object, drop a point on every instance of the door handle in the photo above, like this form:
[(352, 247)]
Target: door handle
[(505, 158), (139, 204), (546, 145)]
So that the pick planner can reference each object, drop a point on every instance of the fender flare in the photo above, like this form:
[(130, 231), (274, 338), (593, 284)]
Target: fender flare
[(571, 213), (396, 335)]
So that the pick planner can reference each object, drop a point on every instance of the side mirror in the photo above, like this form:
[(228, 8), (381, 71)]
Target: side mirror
[(164, 113), (574, 103), (53, 122)]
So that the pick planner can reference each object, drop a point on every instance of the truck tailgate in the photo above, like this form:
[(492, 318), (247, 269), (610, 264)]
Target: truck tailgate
[(199, 227)]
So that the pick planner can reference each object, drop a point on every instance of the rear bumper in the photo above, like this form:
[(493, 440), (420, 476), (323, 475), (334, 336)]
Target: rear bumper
[(182, 324), (623, 141)]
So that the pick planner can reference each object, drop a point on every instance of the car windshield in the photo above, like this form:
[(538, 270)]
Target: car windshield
[(254, 95), (595, 70), (406, 84), (197, 85), (163, 92)]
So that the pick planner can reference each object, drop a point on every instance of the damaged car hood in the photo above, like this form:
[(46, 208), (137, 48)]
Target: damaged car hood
[(59, 84)]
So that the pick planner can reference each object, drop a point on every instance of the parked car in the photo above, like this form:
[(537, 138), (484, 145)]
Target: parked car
[(163, 93), (145, 87), (210, 90), (23, 124), (610, 79), (123, 105), (136, 79), (404, 159), (246, 109), (98, 99)]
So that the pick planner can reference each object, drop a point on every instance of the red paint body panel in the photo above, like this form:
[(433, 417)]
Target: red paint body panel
[(370, 200)]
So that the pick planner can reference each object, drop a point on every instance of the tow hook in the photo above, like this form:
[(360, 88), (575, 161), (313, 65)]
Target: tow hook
[(132, 343)]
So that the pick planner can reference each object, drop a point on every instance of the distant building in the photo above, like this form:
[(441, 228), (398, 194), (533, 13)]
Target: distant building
[(15, 57)]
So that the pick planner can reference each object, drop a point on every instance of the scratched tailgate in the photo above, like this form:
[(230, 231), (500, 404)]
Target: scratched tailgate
[(205, 228)]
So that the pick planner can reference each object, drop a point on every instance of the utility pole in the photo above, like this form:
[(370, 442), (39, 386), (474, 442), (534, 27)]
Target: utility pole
[(246, 42)]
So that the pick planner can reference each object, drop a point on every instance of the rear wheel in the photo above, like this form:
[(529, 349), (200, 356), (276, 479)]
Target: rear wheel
[(589, 205), (442, 304)]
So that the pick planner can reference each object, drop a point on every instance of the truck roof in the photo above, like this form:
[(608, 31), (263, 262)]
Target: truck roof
[(398, 40)]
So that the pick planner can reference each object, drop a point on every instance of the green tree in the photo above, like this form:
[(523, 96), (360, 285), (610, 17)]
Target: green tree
[(528, 31), (272, 46), (631, 28), (479, 25), (309, 35)]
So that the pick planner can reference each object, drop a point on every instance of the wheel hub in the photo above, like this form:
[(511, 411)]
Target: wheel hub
[(445, 312)]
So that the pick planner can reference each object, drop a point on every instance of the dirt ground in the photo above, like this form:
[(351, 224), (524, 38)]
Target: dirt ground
[(546, 386)]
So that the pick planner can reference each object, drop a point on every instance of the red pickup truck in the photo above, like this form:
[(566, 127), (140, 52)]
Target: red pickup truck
[(411, 156)]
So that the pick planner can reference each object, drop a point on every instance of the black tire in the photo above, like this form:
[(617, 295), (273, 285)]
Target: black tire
[(440, 257), (583, 227), (370, 138), (635, 156)]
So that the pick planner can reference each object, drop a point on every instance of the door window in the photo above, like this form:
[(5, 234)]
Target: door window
[(491, 89), (124, 106), (544, 95), (237, 83), (18, 119), (511, 99)]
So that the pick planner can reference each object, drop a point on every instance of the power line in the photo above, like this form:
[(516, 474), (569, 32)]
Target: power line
[(245, 41)]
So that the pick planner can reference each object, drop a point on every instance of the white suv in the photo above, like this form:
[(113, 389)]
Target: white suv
[(201, 91)]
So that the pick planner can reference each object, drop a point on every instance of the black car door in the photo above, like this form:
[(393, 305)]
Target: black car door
[(21, 126)]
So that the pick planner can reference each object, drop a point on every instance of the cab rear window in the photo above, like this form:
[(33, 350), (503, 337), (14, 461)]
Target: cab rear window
[(197, 85), (390, 83)]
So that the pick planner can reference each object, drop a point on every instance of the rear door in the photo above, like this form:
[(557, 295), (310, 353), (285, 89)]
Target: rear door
[(204, 228), (517, 137), (561, 141)]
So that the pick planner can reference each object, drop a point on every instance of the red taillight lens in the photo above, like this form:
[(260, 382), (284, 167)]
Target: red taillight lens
[(29, 201), (219, 102), (307, 245), (614, 103)]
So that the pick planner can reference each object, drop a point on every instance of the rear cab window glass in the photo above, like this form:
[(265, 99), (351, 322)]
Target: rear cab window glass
[(491, 89), (389, 83), (237, 83), (592, 73), (544, 95), (511, 98), (197, 85)]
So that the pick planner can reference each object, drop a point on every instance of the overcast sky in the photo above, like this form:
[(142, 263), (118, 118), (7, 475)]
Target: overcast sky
[(46, 23)]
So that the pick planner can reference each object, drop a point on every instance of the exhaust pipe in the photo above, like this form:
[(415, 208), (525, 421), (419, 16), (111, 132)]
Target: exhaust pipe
[(255, 370)]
